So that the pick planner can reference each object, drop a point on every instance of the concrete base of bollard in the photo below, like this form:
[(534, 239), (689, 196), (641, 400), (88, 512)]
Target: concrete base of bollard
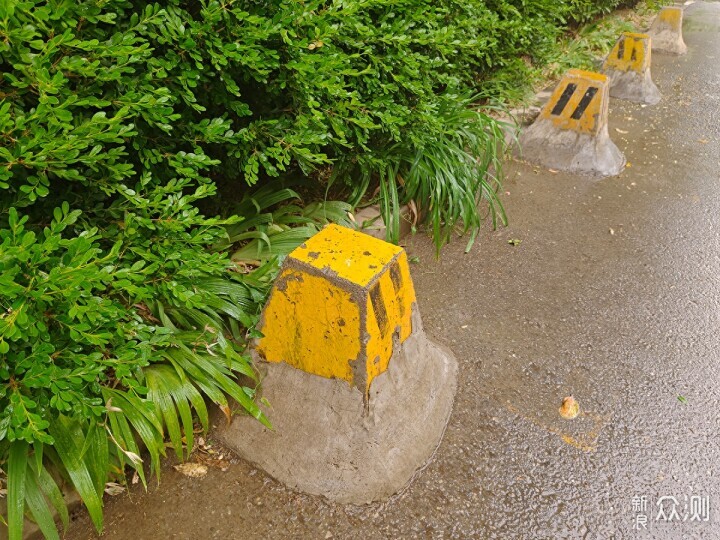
[(326, 442), (667, 40), (633, 86), (571, 151)]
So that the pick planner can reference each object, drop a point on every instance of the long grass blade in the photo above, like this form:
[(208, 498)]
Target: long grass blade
[(16, 487), (39, 509), (51, 490), (67, 433)]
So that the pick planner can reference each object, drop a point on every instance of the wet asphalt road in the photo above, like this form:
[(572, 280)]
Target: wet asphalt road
[(613, 296)]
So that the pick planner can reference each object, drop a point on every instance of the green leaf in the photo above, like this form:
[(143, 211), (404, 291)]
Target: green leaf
[(123, 435), (52, 492), (97, 457), (217, 377), (67, 434), (39, 509), (16, 488), (7, 8), (159, 380), (38, 456), (144, 421)]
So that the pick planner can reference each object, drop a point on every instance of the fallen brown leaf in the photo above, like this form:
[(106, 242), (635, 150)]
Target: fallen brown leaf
[(193, 470), (113, 488)]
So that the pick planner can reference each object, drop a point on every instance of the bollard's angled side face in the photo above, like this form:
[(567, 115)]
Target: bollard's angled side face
[(671, 17), (628, 69), (341, 303), (389, 307), (630, 53), (579, 102), (666, 31)]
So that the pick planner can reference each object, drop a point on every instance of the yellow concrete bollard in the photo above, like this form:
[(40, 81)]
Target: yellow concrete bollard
[(579, 103), (666, 31), (338, 304), (628, 69), (571, 131), (358, 396)]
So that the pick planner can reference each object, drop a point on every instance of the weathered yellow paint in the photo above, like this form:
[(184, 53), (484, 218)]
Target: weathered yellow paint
[(671, 17), (342, 301), (630, 53), (350, 255), (312, 324), (586, 109)]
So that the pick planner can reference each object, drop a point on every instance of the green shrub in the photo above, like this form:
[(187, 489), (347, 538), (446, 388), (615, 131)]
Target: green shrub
[(120, 319), (103, 344)]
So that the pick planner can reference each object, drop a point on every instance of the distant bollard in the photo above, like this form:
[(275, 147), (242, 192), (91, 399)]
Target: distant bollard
[(628, 69), (358, 397), (666, 31), (571, 133)]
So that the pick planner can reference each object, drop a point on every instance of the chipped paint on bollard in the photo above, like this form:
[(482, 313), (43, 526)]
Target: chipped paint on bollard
[(666, 31), (571, 133), (358, 396), (628, 69)]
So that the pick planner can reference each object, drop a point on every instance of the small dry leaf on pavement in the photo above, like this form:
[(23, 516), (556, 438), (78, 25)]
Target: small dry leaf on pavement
[(569, 408), (113, 488), (193, 470)]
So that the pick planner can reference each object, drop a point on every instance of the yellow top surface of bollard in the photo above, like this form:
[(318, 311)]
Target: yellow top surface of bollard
[(583, 74), (635, 35), (350, 255), (672, 16)]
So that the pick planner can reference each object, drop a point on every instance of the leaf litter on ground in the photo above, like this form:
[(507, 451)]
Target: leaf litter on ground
[(193, 470)]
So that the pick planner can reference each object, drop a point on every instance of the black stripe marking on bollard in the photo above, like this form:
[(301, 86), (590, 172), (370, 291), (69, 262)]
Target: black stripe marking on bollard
[(564, 98), (621, 49), (633, 55), (379, 308), (584, 102), (396, 277)]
